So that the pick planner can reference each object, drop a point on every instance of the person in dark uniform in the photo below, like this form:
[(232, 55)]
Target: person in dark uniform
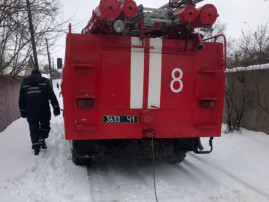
[(35, 94)]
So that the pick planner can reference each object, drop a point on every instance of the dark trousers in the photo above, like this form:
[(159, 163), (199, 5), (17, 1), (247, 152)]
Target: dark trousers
[(39, 130)]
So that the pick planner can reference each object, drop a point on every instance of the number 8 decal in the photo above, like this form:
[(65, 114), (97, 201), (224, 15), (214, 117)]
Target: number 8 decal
[(176, 79)]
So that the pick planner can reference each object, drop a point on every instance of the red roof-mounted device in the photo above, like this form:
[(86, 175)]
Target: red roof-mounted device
[(129, 8)]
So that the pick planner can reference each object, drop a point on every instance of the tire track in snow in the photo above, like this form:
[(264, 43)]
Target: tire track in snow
[(191, 173), (240, 181), (197, 178), (114, 179), (131, 180), (103, 181)]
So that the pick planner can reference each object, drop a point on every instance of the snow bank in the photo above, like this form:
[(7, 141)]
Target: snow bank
[(249, 68), (46, 76)]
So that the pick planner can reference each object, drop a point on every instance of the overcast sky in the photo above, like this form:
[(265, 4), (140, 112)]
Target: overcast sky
[(238, 15)]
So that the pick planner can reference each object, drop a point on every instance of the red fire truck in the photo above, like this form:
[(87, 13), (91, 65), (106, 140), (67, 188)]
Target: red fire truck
[(138, 77)]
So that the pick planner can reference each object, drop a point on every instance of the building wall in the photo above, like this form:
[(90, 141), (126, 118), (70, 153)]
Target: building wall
[(9, 95), (254, 85)]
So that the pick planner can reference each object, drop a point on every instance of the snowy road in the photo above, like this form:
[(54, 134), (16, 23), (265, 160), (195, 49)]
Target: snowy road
[(236, 171), (198, 178)]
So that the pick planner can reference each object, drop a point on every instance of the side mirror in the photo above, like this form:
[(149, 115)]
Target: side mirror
[(59, 63)]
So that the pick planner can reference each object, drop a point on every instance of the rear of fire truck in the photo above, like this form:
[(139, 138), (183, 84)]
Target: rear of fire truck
[(138, 78)]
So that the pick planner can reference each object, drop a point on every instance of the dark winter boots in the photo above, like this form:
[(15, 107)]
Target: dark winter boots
[(37, 151), (42, 143)]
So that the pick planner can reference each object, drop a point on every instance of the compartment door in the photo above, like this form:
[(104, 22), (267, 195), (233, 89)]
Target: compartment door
[(115, 79)]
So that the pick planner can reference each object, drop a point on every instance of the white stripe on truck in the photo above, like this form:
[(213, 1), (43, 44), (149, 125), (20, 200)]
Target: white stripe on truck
[(137, 74), (155, 74)]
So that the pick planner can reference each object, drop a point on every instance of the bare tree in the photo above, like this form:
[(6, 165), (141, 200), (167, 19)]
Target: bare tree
[(15, 46), (250, 50), (235, 101), (218, 28)]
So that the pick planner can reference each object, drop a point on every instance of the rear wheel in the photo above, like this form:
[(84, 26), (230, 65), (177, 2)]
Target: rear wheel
[(177, 158), (82, 153), (81, 160)]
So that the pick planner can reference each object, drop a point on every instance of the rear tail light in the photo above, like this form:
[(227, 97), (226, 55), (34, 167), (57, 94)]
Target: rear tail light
[(208, 103), (85, 102)]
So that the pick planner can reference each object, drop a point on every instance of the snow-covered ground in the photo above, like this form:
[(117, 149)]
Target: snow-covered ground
[(236, 171)]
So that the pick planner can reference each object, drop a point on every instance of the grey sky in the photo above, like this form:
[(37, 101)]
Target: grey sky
[(232, 12)]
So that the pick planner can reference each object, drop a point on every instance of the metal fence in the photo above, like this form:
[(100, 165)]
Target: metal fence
[(9, 95)]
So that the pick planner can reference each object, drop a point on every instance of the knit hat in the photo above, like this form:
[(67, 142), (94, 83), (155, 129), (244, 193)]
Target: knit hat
[(36, 71)]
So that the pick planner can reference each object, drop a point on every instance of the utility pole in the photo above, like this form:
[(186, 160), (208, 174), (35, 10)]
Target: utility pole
[(31, 28), (52, 63), (49, 63)]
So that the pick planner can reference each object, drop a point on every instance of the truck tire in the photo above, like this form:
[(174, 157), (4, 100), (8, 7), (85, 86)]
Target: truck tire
[(80, 153), (178, 158), (79, 160)]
